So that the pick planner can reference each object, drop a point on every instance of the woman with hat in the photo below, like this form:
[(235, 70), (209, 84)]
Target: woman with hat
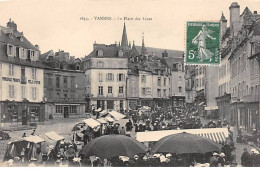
[(221, 159)]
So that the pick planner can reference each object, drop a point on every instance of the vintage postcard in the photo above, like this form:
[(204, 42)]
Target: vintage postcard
[(119, 83)]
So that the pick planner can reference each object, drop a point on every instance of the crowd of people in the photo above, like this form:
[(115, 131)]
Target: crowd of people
[(65, 153)]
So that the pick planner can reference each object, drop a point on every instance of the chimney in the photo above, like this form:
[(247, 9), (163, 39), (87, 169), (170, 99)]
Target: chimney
[(164, 54), (255, 12), (12, 24), (234, 18), (94, 45), (37, 47)]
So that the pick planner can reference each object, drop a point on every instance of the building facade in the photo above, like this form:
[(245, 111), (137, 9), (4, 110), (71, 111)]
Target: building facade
[(244, 82), (64, 87), (21, 78)]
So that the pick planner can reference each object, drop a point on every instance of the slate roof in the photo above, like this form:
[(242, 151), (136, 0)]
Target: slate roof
[(158, 51)]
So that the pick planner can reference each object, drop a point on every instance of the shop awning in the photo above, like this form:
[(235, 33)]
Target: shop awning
[(34, 139), (98, 110), (102, 121), (91, 122), (103, 112), (218, 135), (116, 115), (54, 136), (211, 108), (109, 119)]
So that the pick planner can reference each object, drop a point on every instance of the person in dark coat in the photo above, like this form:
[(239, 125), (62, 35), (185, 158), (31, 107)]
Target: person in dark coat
[(246, 159), (214, 160)]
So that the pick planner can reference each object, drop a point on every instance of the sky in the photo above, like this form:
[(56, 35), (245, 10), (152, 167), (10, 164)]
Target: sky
[(56, 24)]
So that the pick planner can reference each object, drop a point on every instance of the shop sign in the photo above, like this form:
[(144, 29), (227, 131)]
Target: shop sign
[(10, 79), (33, 82)]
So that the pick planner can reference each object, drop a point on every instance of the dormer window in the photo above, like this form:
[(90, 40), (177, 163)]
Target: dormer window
[(100, 53), (120, 53), (77, 67), (21, 38), (10, 35), (57, 65), (10, 50)]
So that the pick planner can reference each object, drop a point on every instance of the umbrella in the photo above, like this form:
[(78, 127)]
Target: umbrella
[(110, 146), (185, 143)]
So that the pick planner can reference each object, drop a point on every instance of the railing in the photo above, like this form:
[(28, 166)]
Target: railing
[(109, 94), (23, 80)]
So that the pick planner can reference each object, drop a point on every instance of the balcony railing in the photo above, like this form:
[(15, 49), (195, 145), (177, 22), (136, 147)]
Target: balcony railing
[(23, 80), (251, 98), (121, 95), (109, 94)]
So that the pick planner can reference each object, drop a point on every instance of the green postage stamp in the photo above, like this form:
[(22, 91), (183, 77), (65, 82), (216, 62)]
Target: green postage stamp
[(203, 43)]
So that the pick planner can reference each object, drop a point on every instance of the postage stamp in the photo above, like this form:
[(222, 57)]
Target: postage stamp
[(203, 43)]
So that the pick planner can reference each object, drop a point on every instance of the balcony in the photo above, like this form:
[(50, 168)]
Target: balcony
[(251, 98), (109, 94), (121, 95), (23, 80)]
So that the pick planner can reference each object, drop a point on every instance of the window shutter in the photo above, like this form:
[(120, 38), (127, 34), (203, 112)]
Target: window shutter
[(112, 76), (123, 77), (107, 77), (117, 77), (15, 51), (7, 49)]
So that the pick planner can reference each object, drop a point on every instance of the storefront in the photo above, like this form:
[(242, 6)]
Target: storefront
[(24, 111)]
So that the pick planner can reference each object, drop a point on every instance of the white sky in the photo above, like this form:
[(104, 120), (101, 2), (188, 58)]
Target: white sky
[(56, 24)]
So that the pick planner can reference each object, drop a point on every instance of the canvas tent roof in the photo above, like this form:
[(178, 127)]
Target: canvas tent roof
[(109, 119), (34, 139), (116, 115), (216, 134), (91, 122), (98, 110), (54, 136), (101, 120), (211, 108)]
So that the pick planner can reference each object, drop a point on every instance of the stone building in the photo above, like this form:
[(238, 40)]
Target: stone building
[(64, 85), (21, 77), (244, 82)]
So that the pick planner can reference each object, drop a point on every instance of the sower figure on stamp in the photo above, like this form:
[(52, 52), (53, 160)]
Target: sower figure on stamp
[(200, 40)]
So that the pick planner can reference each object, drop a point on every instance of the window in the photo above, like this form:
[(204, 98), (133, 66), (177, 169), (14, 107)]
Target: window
[(11, 69), (159, 81), (58, 109), (200, 71), (72, 82), (110, 89), (110, 77), (179, 78), (100, 77), (73, 109), (143, 91), (34, 73), (121, 77), (180, 90), (164, 82), (11, 91), (50, 83), (58, 82), (120, 53), (65, 82), (100, 53), (34, 90), (159, 92), (10, 50), (100, 90), (121, 89), (23, 92), (143, 79), (169, 81), (164, 93)]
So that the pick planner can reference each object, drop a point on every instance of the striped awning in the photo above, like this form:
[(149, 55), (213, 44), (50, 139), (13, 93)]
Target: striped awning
[(218, 135)]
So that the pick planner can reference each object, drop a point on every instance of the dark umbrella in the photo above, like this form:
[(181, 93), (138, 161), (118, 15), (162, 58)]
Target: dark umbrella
[(185, 143), (109, 146)]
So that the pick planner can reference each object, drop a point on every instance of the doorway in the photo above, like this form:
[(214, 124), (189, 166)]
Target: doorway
[(66, 111)]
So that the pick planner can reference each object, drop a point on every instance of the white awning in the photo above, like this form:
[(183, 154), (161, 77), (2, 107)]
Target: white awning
[(109, 119), (201, 103), (102, 121), (98, 110), (54, 136), (211, 108), (34, 139), (91, 122), (116, 115), (218, 135)]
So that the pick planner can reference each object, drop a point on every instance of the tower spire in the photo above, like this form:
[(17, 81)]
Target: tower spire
[(124, 42), (143, 46)]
